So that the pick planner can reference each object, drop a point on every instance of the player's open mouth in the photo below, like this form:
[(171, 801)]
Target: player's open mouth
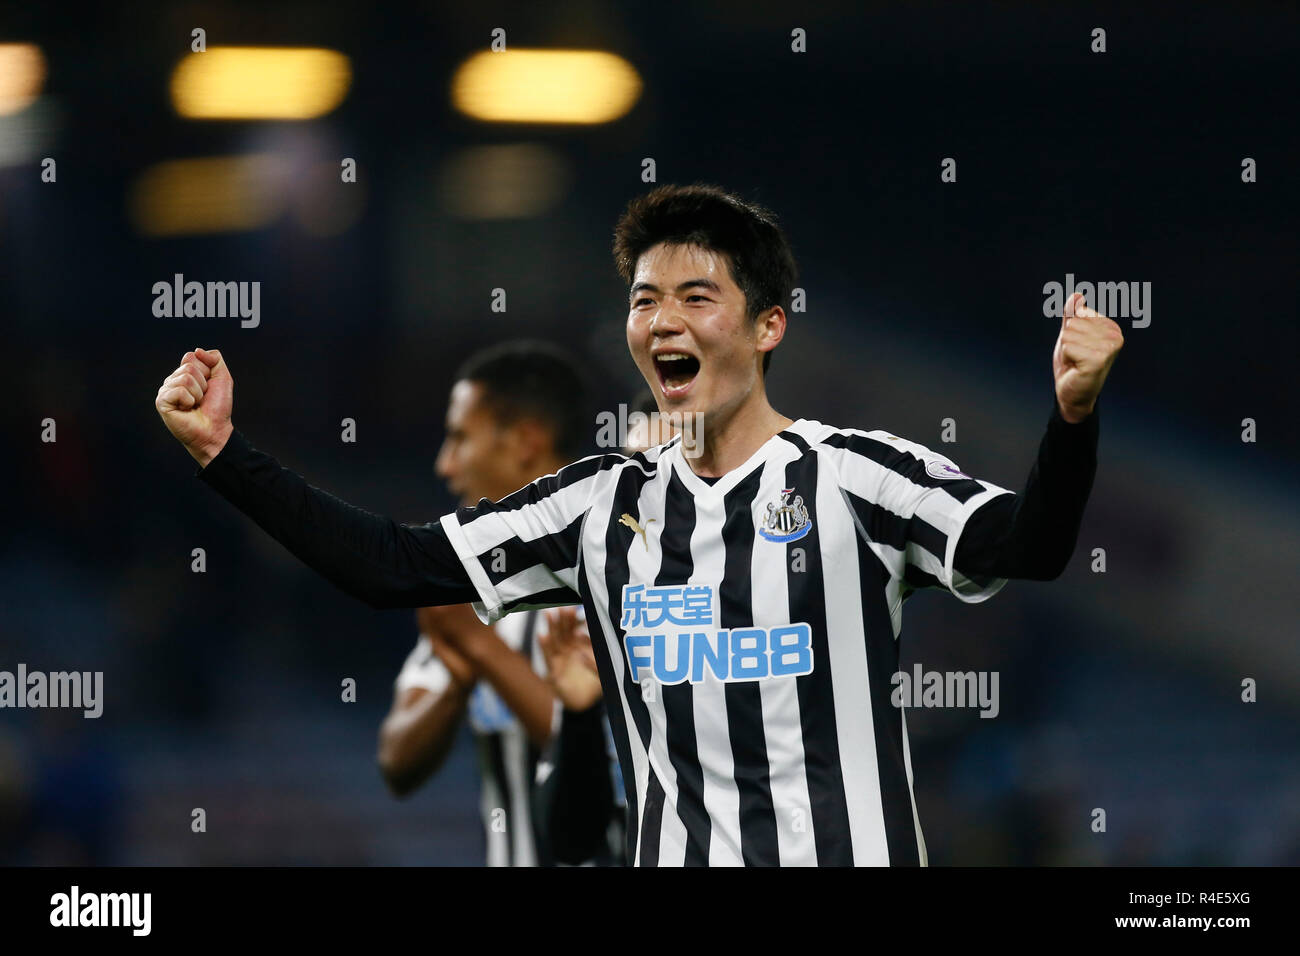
[(676, 371)]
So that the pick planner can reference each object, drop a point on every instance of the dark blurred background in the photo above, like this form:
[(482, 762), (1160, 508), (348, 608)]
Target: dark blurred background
[(1119, 690)]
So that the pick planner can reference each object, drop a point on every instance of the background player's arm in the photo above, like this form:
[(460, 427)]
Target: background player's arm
[(570, 662), (420, 729), (511, 674), (576, 801)]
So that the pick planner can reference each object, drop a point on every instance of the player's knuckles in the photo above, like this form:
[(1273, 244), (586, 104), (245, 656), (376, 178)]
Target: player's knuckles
[(1075, 355), (189, 380), (177, 398)]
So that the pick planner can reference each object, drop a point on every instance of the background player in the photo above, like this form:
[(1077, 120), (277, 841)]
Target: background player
[(515, 412)]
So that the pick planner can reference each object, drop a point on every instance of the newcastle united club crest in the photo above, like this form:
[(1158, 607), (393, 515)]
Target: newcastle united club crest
[(787, 521)]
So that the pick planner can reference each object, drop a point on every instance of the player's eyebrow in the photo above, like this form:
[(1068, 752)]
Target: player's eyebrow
[(681, 287)]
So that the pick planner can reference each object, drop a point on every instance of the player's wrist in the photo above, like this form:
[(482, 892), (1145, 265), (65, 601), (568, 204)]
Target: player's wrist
[(462, 685), (205, 451), (575, 709), (1075, 414), (479, 645)]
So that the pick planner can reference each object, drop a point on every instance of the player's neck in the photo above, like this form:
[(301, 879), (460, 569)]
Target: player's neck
[(727, 443)]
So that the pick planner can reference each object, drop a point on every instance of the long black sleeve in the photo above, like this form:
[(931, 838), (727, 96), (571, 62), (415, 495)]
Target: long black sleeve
[(575, 804), (376, 559), (1032, 535)]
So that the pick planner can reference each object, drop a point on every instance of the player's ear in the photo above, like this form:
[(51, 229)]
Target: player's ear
[(527, 441), (769, 328)]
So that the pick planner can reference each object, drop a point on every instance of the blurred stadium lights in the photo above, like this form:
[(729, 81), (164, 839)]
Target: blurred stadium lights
[(502, 182), (545, 86), (22, 74), (213, 194), (260, 83)]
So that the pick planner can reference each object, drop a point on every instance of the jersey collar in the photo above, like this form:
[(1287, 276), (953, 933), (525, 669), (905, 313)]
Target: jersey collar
[(698, 486)]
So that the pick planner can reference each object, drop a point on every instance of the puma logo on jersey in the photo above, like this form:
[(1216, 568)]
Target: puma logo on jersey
[(631, 522)]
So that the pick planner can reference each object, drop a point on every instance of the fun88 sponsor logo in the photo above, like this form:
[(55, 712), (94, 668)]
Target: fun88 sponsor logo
[(669, 636)]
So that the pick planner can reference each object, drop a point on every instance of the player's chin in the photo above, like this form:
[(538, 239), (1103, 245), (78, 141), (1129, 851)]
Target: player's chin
[(682, 403)]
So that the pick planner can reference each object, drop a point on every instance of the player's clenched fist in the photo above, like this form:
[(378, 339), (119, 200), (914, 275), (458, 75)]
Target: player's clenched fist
[(1085, 351), (195, 401)]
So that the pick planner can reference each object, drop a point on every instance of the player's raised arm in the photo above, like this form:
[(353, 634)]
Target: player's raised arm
[(376, 559), (1032, 535)]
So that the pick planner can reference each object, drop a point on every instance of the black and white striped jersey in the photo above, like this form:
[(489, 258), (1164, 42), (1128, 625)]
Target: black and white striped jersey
[(507, 758), (745, 630)]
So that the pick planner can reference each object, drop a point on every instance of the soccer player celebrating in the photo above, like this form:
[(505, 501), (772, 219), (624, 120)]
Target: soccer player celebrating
[(744, 601), (516, 412)]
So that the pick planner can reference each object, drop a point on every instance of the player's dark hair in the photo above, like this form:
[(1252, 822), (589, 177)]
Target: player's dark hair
[(756, 249), (536, 380)]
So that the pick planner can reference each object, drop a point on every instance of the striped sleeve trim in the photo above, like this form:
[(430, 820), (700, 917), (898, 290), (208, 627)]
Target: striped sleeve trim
[(524, 550), (489, 607), (970, 590)]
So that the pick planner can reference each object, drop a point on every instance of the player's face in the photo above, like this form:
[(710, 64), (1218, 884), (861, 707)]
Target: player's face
[(474, 459), (688, 331)]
